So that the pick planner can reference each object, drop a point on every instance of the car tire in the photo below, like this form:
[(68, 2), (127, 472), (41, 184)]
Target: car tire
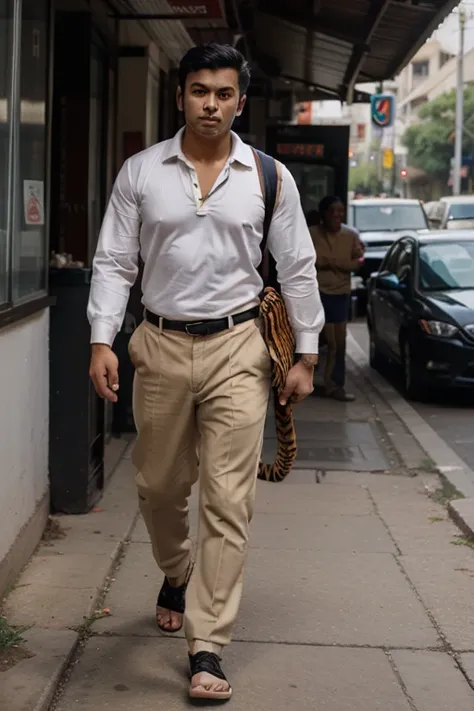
[(412, 377)]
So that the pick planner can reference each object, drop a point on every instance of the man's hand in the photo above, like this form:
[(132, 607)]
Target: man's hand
[(299, 384), (104, 371)]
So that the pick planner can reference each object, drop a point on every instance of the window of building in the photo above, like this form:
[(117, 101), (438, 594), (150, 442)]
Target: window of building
[(443, 58), (24, 59), (421, 69)]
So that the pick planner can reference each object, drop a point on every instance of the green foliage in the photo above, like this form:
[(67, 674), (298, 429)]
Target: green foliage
[(9, 636), (430, 143), (363, 179)]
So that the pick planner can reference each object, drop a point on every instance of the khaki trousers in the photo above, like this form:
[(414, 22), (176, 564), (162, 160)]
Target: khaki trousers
[(203, 398)]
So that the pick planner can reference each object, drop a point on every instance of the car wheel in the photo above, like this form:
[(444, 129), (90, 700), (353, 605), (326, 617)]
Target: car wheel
[(412, 379), (375, 357)]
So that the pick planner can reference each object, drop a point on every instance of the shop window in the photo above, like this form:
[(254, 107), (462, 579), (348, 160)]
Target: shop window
[(24, 50)]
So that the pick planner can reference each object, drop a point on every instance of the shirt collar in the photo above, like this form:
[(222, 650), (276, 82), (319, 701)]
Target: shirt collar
[(241, 152)]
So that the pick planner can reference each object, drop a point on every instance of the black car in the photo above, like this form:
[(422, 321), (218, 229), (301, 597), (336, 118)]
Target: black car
[(420, 310)]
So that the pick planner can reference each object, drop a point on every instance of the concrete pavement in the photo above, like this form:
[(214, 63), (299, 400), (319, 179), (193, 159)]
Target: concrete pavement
[(358, 590), (449, 414)]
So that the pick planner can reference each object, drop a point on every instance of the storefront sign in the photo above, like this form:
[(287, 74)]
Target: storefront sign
[(310, 150), (208, 9), (33, 202)]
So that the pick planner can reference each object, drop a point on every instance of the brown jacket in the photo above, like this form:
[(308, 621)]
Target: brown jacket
[(337, 256)]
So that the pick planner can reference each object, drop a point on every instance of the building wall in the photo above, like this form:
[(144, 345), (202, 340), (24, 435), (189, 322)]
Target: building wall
[(24, 423)]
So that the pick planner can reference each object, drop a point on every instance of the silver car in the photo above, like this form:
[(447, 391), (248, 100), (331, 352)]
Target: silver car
[(381, 221)]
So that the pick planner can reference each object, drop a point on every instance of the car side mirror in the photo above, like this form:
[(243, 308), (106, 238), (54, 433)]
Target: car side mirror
[(388, 282)]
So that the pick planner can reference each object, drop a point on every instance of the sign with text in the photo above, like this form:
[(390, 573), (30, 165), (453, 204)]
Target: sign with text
[(382, 110), (309, 150), (208, 9)]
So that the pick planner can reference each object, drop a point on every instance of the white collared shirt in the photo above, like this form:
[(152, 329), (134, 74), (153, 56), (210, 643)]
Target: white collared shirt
[(200, 257)]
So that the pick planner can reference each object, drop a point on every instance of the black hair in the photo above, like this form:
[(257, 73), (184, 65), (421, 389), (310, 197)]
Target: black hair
[(214, 56), (312, 218), (328, 202)]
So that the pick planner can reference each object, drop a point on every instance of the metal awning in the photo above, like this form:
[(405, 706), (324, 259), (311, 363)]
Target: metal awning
[(321, 47), (330, 45), (175, 24)]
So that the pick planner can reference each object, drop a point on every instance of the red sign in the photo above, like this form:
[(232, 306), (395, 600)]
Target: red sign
[(207, 9), (311, 150)]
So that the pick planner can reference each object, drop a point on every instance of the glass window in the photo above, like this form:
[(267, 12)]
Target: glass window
[(421, 69), (6, 26), (461, 211), (29, 243), (448, 265), (389, 264), (313, 182), (404, 262), (389, 217)]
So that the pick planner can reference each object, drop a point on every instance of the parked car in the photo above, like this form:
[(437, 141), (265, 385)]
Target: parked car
[(451, 213), (380, 221), (420, 310)]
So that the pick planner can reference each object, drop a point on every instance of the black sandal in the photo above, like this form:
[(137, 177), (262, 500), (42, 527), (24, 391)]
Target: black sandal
[(208, 663), (174, 600)]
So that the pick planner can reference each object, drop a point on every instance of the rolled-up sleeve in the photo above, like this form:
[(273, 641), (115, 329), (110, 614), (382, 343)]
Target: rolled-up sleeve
[(115, 264), (290, 243)]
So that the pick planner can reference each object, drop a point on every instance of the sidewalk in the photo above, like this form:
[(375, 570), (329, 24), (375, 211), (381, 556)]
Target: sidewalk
[(359, 590)]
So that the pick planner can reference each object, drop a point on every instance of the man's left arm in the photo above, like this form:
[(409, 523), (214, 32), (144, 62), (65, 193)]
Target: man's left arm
[(290, 243)]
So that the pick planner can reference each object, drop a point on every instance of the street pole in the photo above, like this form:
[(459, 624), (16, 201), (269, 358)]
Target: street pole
[(459, 107)]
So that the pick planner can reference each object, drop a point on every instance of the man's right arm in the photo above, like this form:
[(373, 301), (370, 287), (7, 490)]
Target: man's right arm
[(115, 268)]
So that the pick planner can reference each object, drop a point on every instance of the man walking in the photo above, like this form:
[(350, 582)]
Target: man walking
[(192, 206)]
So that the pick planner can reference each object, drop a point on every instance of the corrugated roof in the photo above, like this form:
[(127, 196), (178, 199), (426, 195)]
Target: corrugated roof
[(344, 41)]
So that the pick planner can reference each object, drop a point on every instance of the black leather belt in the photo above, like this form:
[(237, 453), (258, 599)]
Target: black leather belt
[(202, 328)]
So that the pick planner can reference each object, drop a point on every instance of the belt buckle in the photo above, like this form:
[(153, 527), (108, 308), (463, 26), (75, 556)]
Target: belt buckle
[(189, 326)]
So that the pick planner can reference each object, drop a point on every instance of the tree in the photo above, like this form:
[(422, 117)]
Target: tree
[(430, 142), (363, 179)]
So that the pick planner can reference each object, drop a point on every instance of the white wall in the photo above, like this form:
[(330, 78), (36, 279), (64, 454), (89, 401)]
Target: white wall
[(24, 423)]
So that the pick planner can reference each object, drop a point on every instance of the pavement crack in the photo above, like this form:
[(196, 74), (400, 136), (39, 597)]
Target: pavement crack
[(85, 631), (460, 666), (281, 643), (382, 520), (400, 681)]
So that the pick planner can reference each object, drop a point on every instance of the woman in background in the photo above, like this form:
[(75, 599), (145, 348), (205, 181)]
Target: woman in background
[(339, 253)]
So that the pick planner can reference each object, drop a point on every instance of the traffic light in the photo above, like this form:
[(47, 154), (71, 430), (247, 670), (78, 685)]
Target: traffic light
[(404, 173)]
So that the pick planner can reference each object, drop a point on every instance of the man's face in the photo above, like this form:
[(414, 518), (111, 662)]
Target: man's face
[(211, 101)]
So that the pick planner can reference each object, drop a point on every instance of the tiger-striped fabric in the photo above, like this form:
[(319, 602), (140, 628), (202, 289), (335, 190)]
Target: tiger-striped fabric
[(280, 341)]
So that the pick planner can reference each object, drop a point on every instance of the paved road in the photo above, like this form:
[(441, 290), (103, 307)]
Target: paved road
[(451, 415)]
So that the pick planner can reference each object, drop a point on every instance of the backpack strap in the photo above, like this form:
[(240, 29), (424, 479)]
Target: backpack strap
[(269, 175)]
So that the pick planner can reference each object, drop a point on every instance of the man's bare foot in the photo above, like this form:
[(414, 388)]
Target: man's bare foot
[(171, 603), (167, 620), (208, 680)]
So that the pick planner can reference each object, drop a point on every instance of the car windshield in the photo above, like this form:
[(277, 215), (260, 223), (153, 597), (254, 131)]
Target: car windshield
[(447, 266), (389, 218), (461, 211)]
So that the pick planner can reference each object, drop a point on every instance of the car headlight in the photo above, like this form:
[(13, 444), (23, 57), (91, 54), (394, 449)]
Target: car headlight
[(438, 328)]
